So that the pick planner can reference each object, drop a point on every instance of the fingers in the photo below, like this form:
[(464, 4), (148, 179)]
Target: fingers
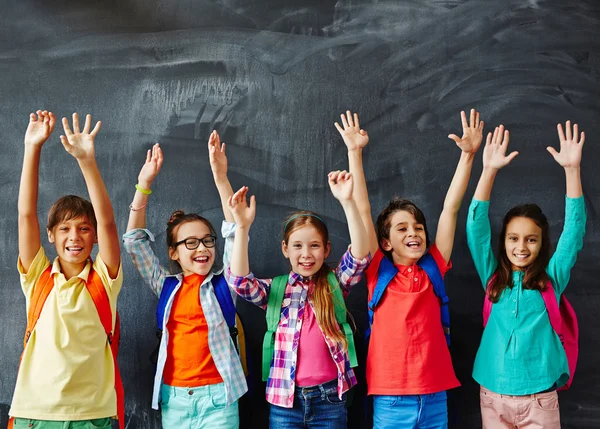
[(344, 121), (495, 136), (149, 155), (349, 117), (582, 138), (488, 141), (67, 129), (476, 123), (52, 121), (561, 134), (65, 143), (239, 196), (356, 123), (552, 151), (88, 124), (512, 156), (568, 129), (76, 123), (472, 119), (96, 128), (340, 129), (252, 203), (463, 119), (454, 137), (339, 175), (506, 138), (480, 128)]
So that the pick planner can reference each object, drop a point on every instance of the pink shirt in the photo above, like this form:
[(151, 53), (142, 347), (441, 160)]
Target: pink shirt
[(315, 364)]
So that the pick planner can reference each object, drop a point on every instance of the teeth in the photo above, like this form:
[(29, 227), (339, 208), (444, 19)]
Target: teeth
[(201, 259)]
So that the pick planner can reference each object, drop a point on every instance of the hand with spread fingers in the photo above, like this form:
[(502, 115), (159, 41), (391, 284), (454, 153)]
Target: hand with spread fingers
[(80, 144), (472, 132), (571, 146), (354, 137), (494, 152)]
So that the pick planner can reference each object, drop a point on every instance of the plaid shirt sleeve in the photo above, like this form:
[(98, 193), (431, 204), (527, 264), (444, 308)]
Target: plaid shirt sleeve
[(250, 288), (137, 244), (349, 271)]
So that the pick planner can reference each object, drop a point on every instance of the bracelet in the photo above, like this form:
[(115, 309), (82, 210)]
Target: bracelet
[(137, 209), (142, 190)]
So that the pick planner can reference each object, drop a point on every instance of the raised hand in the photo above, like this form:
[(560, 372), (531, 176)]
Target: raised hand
[(80, 144), (570, 146), (354, 137), (494, 152), (41, 125), (217, 157), (341, 185), (472, 133), (154, 160), (242, 212)]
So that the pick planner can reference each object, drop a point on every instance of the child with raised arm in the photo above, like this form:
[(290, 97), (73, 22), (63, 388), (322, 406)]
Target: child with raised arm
[(68, 374), (199, 377), (409, 367), (308, 353), (521, 361)]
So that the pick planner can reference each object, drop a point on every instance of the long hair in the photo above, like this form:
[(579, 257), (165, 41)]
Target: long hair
[(535, 274), (320, 295), (384, 220), (178, 217)]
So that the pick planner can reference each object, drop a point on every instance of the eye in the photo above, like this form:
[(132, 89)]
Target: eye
[(296, 246), (316, 245), (402, 228), (63, 228), (532, 240), (85, 228), (512, 238), (419, 228)]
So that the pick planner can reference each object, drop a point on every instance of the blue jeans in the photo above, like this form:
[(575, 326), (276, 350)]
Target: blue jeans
[(410, 411), (314, 407)]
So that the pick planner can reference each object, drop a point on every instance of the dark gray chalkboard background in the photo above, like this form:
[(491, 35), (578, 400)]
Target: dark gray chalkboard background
[(272, 76)]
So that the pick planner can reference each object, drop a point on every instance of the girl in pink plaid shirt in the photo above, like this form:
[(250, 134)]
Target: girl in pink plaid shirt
[(310, 370)]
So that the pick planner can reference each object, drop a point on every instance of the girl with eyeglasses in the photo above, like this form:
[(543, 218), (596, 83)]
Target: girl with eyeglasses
[(199, 377)]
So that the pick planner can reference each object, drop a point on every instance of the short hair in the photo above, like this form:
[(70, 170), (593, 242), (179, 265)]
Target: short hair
[(70, 207), (384, 220)]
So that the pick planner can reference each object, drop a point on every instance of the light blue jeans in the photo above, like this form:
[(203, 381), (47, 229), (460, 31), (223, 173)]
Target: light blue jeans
[(201, 407), (410, 411)]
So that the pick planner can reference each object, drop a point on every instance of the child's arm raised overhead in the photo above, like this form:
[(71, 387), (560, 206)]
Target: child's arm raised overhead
[(80, 144), (341, 185), (149, 171), (243, 216), (469, 144), (39, 129), (356, 139), (569, 157), (218, 165)]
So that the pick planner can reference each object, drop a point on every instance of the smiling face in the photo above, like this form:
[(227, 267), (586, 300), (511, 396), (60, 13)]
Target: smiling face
[(74, 240), (306, 249), (196, 261), (407, 240), (522, 241)]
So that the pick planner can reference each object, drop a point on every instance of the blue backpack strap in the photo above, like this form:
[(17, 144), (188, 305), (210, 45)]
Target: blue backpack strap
[(168, 287), (387, 271), (428, 264), (225, 300)]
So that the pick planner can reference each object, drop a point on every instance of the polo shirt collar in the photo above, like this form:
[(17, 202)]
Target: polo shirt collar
[(83, 275)]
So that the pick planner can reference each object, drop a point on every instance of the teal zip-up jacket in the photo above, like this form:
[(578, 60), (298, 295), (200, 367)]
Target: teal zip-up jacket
[(520, 354)]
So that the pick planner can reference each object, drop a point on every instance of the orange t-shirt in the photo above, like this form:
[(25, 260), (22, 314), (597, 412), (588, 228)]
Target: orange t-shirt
[(408, 354), (189, 362)]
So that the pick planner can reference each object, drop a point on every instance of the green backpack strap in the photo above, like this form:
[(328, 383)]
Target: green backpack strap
[(276, 293), (339, 306)]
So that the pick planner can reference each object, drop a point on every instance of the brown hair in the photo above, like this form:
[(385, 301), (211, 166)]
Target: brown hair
[(70, 207), (384, 220), (535, 274), (179, 217), (320, 295)]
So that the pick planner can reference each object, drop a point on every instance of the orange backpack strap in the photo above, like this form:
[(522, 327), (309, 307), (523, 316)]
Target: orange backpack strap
[(102, 303), (41, 291)]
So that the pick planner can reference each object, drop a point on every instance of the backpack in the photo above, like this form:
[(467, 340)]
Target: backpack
[(387, 271), (562, 318), (278, 286), (98, 293), (223, 294)]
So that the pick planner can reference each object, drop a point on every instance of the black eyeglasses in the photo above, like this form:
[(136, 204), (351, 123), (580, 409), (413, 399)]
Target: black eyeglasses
[(193, 243)]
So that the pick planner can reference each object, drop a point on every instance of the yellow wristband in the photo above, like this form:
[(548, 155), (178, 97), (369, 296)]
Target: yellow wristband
[(142, 190)]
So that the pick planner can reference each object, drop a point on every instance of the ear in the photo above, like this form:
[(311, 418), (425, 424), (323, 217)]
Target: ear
[(327, 249), (284, 250), (386, 244), (50, 235), (173, 255)]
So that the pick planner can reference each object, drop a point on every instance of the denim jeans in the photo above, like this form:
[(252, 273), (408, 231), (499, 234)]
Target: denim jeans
[(410, 411), (314, 407)]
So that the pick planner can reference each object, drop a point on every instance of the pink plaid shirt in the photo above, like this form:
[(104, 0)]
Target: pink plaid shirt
[(282, 376)]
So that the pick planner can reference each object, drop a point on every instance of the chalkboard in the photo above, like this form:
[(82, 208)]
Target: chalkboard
[(272, 76)]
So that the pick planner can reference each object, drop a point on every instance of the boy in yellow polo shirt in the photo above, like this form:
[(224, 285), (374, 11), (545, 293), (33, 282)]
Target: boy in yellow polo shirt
[(67, 377)]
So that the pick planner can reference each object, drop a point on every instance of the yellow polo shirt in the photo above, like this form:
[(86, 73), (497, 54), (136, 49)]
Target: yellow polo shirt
[(67, 370)]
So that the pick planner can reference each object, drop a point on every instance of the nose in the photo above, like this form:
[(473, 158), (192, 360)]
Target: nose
[(73, 234)]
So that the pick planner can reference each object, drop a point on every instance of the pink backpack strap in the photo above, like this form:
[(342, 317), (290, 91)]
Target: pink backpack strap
[(487, 304), (552, 307)]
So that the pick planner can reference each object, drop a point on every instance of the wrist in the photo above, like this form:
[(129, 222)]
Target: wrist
[(144, 184), (143, 189)]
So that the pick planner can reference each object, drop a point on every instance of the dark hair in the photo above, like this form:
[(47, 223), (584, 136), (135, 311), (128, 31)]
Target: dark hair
[(70, 207), (535, 274), (384, 220), (321, 296), (179, 217)]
